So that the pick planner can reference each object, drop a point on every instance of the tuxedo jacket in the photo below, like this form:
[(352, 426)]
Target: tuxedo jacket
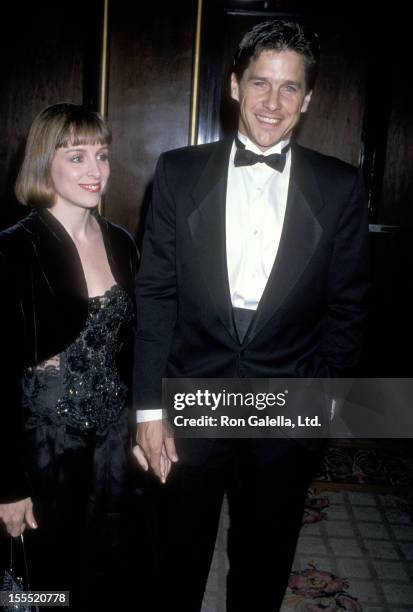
[(43, 308), (309, 320)]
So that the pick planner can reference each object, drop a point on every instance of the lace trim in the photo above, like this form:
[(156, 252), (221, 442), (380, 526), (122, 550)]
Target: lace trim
[(86, 388)]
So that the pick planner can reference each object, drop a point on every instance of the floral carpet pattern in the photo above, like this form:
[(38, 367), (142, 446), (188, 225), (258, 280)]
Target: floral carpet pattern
[(313, 590), (355, 550), (389, 468), (357, 556)]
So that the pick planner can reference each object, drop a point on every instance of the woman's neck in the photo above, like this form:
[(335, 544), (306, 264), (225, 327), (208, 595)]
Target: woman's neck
[(77, 221)]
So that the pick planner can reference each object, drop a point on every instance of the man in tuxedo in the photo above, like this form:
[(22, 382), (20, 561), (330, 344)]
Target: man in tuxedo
[(253, 265)]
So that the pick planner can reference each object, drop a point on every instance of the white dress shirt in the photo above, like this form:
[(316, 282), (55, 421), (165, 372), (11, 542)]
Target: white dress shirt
[(255, 211), (256, 200)]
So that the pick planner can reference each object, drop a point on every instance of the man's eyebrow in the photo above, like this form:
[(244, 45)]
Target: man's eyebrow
[(257, 77)]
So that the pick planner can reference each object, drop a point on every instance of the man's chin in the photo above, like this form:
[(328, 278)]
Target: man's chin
[(266, 140), (267, 143)]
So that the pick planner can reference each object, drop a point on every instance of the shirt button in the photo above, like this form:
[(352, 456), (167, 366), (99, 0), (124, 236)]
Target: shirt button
[(255, 232)]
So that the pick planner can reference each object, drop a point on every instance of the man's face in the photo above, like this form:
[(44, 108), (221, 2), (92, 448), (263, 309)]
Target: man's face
[(271, 96)]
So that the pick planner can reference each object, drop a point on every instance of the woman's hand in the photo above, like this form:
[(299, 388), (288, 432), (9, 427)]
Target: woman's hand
[(17, 516)]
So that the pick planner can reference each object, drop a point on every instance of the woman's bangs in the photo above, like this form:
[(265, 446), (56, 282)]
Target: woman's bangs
[(84, 133)]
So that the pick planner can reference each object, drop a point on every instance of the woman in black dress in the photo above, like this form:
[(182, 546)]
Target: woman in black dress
[(67, 316)]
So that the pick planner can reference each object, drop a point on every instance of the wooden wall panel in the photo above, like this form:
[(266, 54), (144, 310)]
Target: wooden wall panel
[(149, 97), (42, 62), (334, 122), (396, 207)]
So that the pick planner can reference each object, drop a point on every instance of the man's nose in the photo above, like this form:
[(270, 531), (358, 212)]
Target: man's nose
[(272, 100)]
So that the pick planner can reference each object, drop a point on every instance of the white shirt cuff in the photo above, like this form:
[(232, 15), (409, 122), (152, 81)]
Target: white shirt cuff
[(156, 414)]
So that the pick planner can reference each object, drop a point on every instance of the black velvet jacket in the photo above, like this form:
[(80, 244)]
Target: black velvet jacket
[(43, 308)]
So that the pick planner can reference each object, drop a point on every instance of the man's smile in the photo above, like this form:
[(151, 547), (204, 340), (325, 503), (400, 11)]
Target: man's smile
[(269, 120)]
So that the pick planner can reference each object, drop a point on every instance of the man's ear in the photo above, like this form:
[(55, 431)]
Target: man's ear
[(234, 87), (306, 101)]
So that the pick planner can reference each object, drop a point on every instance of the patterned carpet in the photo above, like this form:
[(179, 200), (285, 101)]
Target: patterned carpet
[(355, 550), (369, 467)]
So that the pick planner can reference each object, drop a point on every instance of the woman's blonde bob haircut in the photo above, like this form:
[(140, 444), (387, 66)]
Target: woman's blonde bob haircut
[(59, 125)]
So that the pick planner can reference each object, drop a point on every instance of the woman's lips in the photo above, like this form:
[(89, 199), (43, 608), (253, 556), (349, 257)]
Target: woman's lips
[(91, 188)]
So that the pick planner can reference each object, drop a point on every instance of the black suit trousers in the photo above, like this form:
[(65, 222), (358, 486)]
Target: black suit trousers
[(266, 483)]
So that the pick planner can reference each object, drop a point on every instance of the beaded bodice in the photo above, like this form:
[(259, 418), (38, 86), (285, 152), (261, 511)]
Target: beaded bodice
[(82, 386)]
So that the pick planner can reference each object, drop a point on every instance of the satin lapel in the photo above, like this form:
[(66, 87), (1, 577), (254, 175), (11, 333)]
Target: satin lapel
[(207, 226), (300, 236)]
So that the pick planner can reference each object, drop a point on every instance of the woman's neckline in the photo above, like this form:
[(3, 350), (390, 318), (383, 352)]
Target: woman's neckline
[(103, 295), (57, 227)]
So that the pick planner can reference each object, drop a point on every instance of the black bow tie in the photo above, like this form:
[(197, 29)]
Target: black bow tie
[(244, 157)]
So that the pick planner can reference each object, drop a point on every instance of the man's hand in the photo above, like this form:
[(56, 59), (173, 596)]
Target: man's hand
[(17, 516), (155, 448)]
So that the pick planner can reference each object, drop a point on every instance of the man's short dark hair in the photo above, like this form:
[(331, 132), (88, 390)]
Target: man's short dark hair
[(279, 35)]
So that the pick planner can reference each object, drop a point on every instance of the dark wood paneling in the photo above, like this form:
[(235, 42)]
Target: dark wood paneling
[(149, 96), (333, 124), (42, 61), (396, 205)]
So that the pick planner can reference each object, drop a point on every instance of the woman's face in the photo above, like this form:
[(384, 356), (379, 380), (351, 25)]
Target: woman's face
[(80, 174)]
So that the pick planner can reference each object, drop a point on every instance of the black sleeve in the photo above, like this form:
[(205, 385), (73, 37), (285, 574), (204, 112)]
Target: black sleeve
[(14, 483), (348, 283), (155, 295)]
